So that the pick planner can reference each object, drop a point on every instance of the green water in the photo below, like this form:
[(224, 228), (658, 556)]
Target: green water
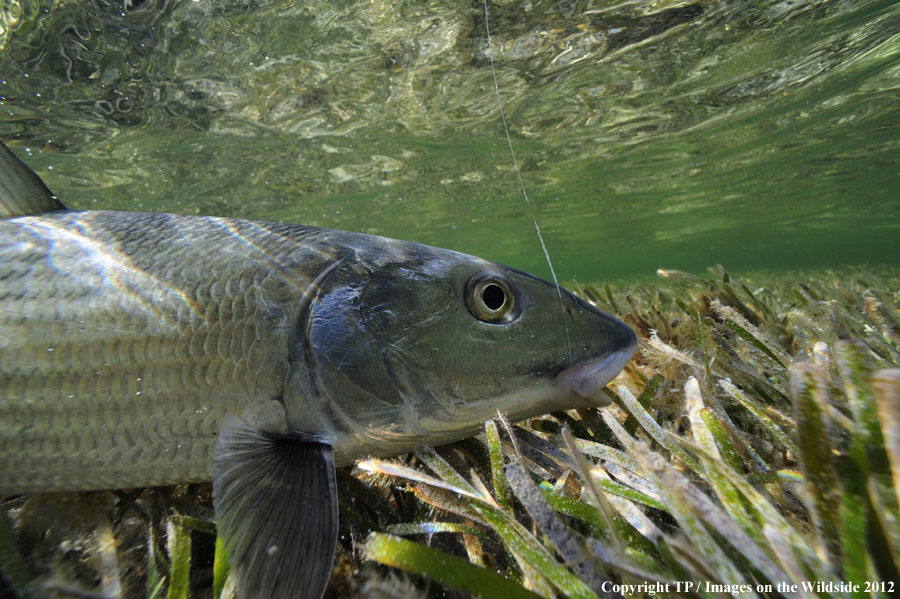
[(760, 135)]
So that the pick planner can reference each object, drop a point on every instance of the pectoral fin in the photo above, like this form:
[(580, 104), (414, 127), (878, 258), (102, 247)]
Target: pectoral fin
[(276, 505)]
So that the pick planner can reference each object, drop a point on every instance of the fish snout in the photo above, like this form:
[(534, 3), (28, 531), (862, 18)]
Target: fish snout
[(588, 378)]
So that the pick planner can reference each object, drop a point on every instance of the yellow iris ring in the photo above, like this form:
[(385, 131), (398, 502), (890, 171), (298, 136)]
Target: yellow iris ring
[(490, 299)]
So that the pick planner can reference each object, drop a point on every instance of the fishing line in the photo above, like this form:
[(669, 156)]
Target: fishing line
[(537, 227)]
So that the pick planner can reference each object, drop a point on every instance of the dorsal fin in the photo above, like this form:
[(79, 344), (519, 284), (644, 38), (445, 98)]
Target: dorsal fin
[(21, 191)]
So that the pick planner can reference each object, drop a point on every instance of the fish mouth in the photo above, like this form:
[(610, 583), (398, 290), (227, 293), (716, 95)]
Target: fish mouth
[(587, 379)]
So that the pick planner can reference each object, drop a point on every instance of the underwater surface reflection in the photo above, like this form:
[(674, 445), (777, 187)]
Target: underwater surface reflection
[(760, 135)]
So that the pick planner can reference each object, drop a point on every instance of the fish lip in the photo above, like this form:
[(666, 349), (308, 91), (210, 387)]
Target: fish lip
[(587, 379)]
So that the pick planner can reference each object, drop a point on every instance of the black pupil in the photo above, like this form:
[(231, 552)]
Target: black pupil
[(493, 297)]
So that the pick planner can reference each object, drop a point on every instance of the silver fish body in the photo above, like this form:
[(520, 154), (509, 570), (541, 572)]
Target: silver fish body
[(126, 338), (141, 349)]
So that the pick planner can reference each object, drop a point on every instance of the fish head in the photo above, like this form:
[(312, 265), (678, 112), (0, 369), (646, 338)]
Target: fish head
[(418, 344)]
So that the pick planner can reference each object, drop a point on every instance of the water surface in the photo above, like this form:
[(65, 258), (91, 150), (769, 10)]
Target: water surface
[(760, 135)]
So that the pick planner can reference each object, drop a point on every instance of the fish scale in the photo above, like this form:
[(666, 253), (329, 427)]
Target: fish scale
[(164, 385)]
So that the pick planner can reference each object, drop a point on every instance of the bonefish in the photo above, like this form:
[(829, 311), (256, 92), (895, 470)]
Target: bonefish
[(143, 349)]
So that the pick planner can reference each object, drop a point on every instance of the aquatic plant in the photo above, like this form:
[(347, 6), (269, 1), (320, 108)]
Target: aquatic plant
[(751, 445)]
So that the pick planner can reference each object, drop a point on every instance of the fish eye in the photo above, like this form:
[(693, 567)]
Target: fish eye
[(490, 299)]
